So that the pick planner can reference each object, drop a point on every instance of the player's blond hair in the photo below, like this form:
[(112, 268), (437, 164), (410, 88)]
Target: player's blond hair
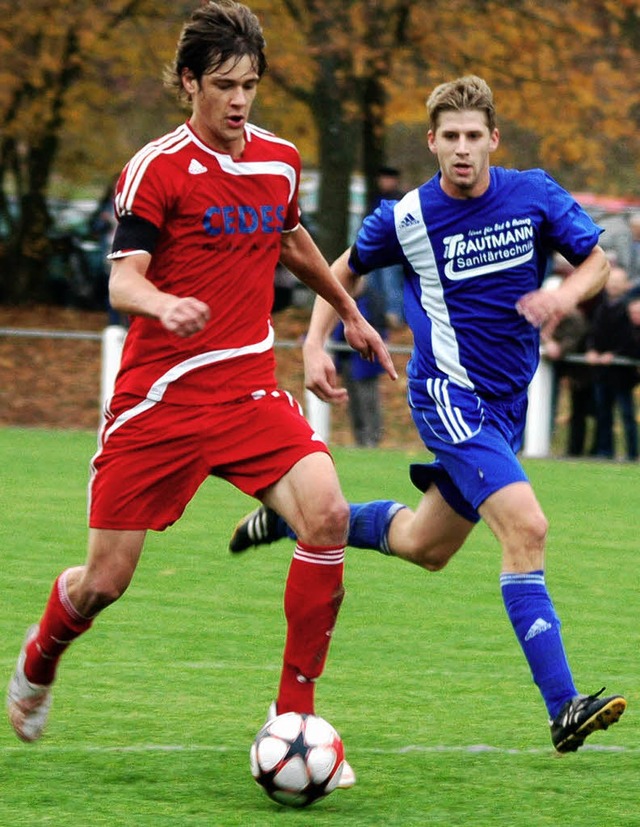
[(467, 92)]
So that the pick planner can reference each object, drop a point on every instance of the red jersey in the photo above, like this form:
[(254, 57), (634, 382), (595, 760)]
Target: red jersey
[(219, 224)]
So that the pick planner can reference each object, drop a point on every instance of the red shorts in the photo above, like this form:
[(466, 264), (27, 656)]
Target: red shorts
[(154, 456)]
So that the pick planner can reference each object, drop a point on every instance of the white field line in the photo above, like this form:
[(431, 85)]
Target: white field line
[(474, 749)]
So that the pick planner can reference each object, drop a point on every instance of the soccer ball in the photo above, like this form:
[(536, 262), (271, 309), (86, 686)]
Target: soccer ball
[(297, 758)]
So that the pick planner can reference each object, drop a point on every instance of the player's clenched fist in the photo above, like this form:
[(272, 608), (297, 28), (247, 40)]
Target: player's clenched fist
[(184, 317)]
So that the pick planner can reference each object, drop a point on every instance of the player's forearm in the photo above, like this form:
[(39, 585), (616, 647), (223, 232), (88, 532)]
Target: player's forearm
[(131, 292), (324, 315), (587, 279), (301, 256)]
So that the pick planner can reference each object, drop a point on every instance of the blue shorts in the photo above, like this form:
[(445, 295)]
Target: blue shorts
[(475, 442)]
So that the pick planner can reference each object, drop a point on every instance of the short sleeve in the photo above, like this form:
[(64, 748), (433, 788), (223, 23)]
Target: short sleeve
[(376, 244)]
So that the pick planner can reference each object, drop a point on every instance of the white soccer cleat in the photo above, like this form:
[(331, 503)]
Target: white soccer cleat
[(348, 777), (28, 703)]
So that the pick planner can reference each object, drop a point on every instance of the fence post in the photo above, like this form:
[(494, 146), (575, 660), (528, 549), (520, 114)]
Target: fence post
[(318, 414), (537, 432), (112, 341)]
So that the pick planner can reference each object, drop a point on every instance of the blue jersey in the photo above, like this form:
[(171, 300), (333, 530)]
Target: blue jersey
[(466, 263)]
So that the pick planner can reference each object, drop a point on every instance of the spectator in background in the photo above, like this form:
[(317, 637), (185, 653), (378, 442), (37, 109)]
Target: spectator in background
[(616, 238), (102, 226), (388, 281), (634, 251), (569, 337), (284, 283), (388, 187), (361, 376), (633, 313), (612, 335)]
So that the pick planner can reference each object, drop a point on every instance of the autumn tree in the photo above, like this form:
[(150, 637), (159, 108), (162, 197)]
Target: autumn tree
[(80, 91), (564, 75), (333, 57), (61, 63)]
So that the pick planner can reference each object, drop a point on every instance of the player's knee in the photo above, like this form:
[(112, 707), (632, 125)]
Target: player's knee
[(523, 546), (433, 556), (98, 591), (434, 563), (327, 523), (534, 530), (433, 559)]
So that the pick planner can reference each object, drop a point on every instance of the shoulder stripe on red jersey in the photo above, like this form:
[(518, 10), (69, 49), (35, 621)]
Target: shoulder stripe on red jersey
[(182, 137), (251, 130), (271, 167), (173, 142)]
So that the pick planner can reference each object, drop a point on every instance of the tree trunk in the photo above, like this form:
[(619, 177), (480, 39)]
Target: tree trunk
[(337, 159), (25, 252), (338, 139), (374, 102)]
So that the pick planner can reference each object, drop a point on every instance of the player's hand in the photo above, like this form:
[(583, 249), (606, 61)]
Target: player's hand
[(364, 338), (544, 307), (552, 350), (185, 317), (320, 375)]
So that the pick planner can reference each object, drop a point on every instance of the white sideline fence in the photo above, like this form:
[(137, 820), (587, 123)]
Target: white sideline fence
[(537, 438), (113, 337), (538, 430)]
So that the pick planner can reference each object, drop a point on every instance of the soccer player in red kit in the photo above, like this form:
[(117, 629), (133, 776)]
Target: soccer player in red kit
[(205, 213)]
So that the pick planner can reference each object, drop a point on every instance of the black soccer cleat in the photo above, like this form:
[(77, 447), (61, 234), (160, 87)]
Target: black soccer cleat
[(256, 529), (583, 715)]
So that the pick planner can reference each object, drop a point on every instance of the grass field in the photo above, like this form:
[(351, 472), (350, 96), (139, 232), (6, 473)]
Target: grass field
[(155, 708)]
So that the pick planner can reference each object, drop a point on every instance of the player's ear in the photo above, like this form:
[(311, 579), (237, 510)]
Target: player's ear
[(189, 82), (431, 141), (494, 141)]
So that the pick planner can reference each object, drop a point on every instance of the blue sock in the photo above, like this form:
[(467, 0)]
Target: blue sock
[(284, 529), (537, 628), (368, 524)]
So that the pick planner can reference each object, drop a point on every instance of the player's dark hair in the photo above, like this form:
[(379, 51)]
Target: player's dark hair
[(218, 31), (468, 92)]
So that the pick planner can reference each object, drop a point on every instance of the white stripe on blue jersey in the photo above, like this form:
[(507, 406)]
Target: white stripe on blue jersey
[(416, 246)]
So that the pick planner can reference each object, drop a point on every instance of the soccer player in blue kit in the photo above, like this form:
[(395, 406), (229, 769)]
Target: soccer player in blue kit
[(474, 243)]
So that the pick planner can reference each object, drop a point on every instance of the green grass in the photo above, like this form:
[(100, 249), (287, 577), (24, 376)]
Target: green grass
[(156, 707)]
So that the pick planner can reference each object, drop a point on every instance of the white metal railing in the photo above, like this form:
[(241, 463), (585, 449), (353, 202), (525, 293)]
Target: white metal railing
[(538, 430)]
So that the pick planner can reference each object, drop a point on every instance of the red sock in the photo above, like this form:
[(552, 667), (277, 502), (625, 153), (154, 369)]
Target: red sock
[(59, 626), (312, 598)]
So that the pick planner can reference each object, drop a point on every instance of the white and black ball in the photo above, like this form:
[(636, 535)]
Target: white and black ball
[(297, 758)]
